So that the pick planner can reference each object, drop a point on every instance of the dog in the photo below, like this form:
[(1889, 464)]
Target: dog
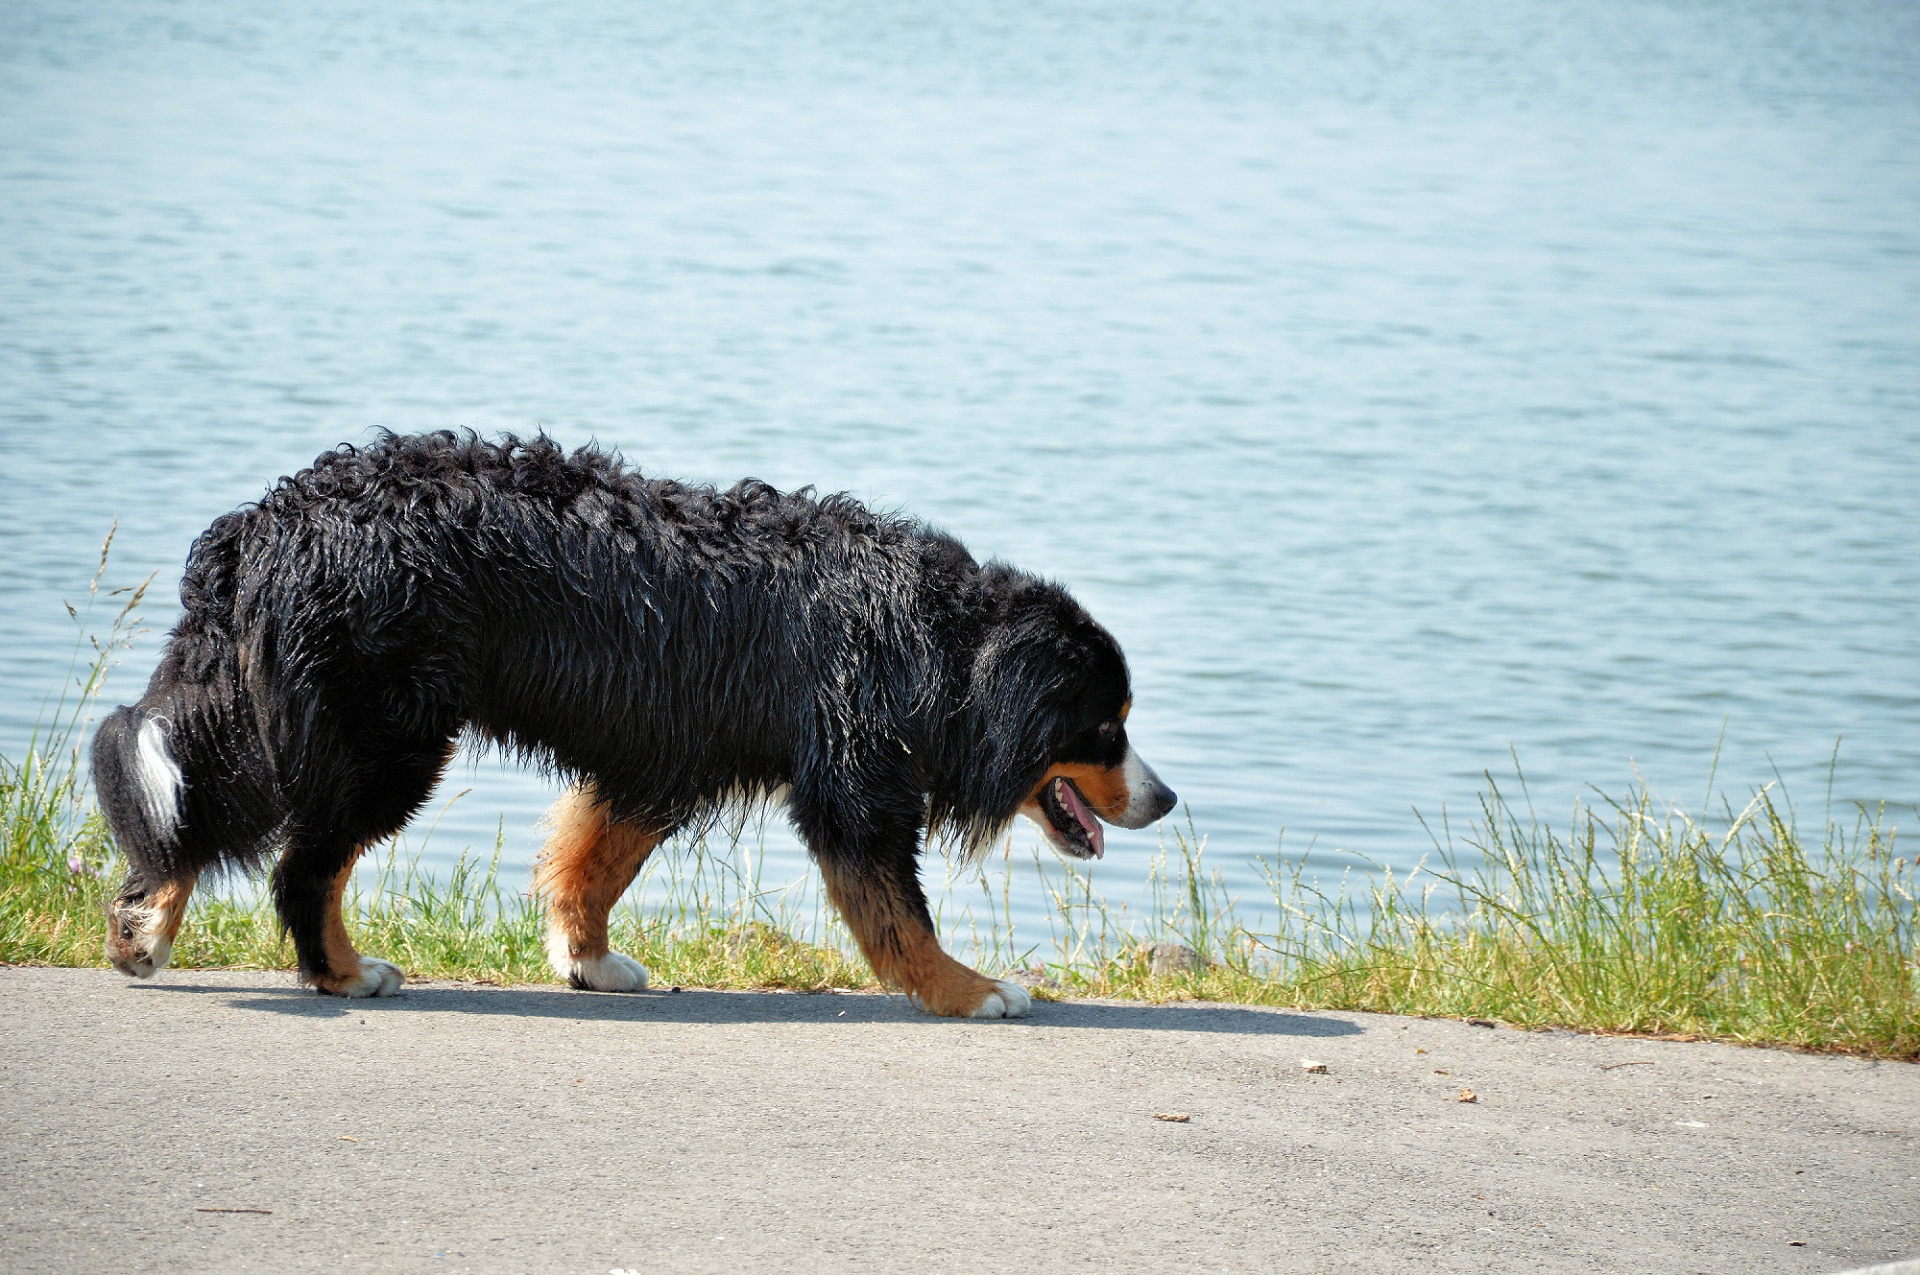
[(673, 649)]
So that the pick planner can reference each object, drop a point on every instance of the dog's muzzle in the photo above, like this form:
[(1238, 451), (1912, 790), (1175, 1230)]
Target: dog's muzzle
[(1147, 798)]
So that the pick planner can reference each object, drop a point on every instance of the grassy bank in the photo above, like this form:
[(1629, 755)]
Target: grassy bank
[(1631, 919)]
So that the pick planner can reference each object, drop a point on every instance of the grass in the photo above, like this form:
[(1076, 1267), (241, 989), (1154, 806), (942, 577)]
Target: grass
[(1635, 919)]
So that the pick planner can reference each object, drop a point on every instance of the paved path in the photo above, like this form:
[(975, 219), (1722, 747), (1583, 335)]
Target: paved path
[(537, 1129)]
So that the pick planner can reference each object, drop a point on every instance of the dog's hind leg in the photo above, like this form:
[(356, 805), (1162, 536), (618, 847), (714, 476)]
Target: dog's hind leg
[(588, 862), (882, 903)]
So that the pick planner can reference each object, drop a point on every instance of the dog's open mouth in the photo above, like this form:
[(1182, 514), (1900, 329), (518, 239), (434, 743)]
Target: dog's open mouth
[(1071, 821)]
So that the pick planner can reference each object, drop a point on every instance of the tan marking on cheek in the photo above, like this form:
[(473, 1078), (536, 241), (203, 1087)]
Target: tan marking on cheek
[(120, 951), (170, 905), (1032, 803), (586, 865), (1103, 789), (160, 914), (1125, 709)]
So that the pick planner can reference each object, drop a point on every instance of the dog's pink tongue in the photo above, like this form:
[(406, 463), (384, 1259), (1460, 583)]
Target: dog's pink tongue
[(1078, 809)]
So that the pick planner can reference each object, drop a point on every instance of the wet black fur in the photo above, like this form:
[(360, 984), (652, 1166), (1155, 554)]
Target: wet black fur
[(677, 644)]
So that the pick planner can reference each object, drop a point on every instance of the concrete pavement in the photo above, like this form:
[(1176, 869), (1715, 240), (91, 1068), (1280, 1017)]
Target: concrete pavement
[(460, 1128)]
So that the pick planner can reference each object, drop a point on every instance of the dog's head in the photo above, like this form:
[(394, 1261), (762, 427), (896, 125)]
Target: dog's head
[(1049, 703), (1094, 771)]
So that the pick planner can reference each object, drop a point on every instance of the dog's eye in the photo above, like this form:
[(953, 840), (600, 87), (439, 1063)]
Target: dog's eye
[(1109, 730)]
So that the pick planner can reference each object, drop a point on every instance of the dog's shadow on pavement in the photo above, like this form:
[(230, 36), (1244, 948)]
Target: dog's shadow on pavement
[(834, 1009)]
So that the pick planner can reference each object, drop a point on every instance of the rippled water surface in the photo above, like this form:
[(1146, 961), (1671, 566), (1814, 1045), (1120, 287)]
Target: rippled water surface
[(1403, 384)]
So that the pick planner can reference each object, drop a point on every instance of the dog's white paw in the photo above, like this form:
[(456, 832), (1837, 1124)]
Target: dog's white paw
[(1007, 1000), (376, 978), (614, 972)]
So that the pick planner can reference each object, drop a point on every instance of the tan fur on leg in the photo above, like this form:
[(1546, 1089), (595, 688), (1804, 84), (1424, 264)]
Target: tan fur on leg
[(586, 865), (905, 952), (348, 972)]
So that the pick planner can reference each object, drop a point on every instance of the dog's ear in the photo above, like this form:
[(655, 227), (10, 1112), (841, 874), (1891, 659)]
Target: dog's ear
[(1027, 659), (1016, 684)]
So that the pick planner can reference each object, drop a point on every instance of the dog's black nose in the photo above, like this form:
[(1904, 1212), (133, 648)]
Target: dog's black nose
[(1164, 799)]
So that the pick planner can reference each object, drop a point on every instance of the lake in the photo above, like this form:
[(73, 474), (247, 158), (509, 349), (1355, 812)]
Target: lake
[(1408, 387)]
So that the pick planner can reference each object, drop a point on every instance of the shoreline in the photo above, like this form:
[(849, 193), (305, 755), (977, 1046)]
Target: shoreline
[(713, 932), (1634, 918), (1752, 938)]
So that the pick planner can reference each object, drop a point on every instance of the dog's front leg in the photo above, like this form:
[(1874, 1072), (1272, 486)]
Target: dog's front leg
[(877, 893), (586, 865), (309, 887)]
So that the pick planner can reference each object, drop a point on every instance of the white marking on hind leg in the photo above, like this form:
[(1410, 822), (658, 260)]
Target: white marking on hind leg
[(160, 778), (614, 972)]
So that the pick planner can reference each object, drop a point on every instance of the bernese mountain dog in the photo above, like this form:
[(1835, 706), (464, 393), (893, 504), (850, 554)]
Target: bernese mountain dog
[(673, 649)]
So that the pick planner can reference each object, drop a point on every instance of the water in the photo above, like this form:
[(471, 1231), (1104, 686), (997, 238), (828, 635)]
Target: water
[(1404, 385)]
